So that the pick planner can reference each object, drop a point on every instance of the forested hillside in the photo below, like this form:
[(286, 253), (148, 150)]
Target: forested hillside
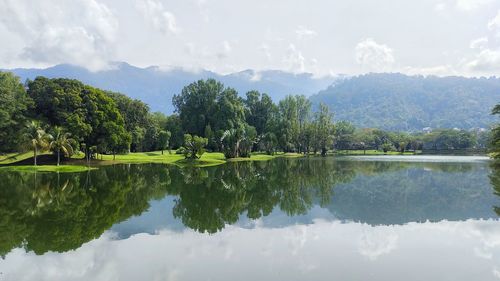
[(400, 102)]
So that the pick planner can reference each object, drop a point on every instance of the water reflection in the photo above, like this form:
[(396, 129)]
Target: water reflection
[(60, 212), (465, 250)]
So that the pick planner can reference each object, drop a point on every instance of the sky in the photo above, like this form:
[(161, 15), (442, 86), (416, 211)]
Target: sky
[(323, 37)]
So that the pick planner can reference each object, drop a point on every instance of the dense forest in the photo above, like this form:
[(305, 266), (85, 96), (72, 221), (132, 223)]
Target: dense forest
[(65, 115), (410, 103)]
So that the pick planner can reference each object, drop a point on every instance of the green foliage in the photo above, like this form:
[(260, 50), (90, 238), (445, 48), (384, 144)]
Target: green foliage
[(15, 104), (89, 114), (449, 139), (194, 146), (163, 140), (61, 142), (36, 138)]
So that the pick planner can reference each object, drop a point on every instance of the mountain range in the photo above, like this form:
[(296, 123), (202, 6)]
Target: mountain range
[(156, 86), (389, 101)]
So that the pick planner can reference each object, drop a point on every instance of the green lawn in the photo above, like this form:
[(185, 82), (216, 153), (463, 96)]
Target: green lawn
[(48, 168), (10, 158), (207, 159)]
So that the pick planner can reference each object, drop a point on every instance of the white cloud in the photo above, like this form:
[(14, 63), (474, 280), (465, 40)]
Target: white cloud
[(486, 61), (81, 32), (266, 50), (224, 51), (495, 22), (158, 16), (303, 32), (294, 59), (374, 56), (376, 242), (468, 5), (479, 43)]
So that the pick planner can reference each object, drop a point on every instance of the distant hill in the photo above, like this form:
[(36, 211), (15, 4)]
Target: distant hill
[(400, 102), (156, 87)]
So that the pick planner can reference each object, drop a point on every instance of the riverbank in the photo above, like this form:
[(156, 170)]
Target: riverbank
[(48, 168), (22, 161)]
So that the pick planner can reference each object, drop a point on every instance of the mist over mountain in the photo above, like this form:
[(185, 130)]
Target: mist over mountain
[(408, 103), (156, 87)]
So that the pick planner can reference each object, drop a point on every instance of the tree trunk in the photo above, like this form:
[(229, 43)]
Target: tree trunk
[(162, 152), (58, 157), (114, 156), (34, 155)]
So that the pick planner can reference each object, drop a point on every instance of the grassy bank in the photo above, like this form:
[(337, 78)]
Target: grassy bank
[(47, 168), (77, 160)]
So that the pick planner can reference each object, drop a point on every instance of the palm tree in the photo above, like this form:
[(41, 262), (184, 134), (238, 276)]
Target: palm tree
[(61, 141), (37, 138)]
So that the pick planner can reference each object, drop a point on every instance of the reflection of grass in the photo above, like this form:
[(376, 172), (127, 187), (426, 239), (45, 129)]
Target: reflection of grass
[(47, 168)]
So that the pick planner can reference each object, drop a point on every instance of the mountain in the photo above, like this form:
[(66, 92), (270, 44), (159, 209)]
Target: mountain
[(410, 103), (156, 87)]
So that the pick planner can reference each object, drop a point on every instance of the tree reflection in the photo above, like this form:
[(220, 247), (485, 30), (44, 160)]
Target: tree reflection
[(58, 212), (208, 199), (495, 183)]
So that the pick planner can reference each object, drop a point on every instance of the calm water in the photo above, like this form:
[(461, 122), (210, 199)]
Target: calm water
[(365, 218)]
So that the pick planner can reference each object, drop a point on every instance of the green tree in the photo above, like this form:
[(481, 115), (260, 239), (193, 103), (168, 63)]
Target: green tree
[(194, 146), (36, 137), (163, 139), (61, 142), (324, 128), (14, 107)]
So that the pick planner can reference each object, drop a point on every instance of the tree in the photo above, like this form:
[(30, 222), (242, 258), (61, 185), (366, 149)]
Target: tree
[(259, 109), (61, 142), (163, 140), (269, 142), (324, 129), (88, 113), (344, 135), (196, 105), (36, 137), (136, 117), (14, 107), (194, 146), (495, 135), (238, 142), (387, 146)]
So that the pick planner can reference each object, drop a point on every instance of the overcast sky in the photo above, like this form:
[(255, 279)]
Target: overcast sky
[(443, 37)]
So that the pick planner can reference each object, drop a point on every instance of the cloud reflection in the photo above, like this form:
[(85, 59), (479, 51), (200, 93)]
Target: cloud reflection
[(323, 250)]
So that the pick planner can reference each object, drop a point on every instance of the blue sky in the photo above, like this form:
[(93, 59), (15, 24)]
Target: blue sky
[(442, 37)]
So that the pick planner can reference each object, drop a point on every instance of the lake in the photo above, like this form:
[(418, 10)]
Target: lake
[(345, 218)]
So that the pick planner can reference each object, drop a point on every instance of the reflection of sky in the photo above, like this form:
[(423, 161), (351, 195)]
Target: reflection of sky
[(323, 250)]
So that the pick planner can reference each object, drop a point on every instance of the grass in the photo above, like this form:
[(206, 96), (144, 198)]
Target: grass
[(371, 152), (10, 158), (207, 159), (48, 168)]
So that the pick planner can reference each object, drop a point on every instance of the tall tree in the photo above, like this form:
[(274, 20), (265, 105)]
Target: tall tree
[(163, 139), (196, 105), (36, 138), (324, 129), (61, 142), (14, 106)]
